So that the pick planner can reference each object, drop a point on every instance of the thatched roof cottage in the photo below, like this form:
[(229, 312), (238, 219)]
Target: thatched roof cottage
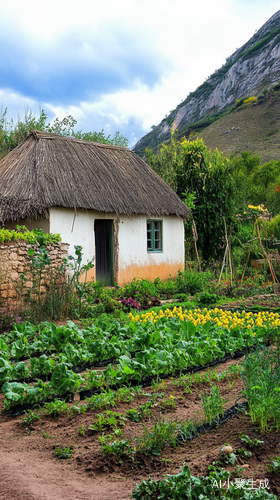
[(102, 197)]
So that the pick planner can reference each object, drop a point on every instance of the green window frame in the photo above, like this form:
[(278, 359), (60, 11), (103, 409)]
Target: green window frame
[(154, 235)]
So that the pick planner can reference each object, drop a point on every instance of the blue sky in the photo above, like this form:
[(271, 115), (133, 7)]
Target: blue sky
[(116, 65)]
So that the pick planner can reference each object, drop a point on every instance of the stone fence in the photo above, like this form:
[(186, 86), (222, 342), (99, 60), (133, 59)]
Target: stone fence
[(17, 272)]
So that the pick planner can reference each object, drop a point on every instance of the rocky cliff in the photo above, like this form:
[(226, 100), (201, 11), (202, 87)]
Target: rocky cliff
[(251, 69)]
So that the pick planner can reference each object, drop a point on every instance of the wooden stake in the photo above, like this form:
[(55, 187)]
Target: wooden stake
[(229, 253), (248, 254), (223, 265), (195, 237), (275, 280)]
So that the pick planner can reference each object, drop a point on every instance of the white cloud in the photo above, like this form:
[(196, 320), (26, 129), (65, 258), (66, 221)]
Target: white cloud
[(118, 65)]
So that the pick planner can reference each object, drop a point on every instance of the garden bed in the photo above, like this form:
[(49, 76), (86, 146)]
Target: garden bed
[(88, 462), (125, 432)]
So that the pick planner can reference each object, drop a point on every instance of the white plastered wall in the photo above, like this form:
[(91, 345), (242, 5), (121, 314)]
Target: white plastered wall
[(77, 228), (136, 261)]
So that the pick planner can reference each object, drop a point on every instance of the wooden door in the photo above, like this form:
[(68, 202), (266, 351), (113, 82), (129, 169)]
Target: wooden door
[(104, 251)]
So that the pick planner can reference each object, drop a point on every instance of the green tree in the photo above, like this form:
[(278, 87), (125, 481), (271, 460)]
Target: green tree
[(189, 167), (13, 133), (243, 167), (266, 174), (256, 183)]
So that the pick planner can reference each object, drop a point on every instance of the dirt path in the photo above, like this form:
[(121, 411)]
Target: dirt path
[(30, 476)]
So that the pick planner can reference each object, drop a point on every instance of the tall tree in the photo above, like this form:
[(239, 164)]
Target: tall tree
[(190, 168)]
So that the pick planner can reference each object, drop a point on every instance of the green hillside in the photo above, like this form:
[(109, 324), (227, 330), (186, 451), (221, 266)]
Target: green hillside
[(251, 127)]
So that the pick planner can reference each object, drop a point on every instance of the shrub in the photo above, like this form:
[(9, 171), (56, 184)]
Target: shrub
[(34, 237), (250, 99), (155, 439)]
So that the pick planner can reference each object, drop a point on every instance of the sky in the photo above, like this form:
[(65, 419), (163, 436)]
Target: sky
[(116, 65)]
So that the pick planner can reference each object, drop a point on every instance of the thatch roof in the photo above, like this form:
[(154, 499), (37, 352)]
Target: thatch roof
[(47, 170), (15, 209)]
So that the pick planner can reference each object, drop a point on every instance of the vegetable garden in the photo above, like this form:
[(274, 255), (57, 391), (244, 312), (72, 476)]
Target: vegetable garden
[(165, 391)]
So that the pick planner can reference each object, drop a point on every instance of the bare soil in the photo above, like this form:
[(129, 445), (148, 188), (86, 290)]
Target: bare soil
[(29, 470), (271, 301)]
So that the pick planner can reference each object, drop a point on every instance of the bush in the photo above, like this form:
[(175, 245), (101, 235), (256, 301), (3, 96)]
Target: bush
[(35, 237), (192, 281), (250, 99)]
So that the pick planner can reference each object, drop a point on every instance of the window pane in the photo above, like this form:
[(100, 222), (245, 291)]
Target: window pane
[(154, 236)]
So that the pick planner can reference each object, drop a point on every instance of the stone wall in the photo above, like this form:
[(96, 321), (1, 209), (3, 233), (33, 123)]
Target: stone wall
[(15, 261)]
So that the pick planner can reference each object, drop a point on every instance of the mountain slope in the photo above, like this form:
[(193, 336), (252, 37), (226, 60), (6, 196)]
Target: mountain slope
[(251, 69), (252, 127)]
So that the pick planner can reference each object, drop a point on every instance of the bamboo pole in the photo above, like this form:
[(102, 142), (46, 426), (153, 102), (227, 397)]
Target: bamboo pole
[(229, 253), (195, 237), (223, 265), (275, 280), (248, 254)]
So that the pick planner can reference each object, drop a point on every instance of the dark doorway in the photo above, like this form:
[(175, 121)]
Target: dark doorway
[(104, 251)]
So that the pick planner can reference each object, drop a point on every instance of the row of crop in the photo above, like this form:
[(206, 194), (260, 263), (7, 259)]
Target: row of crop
[(221, 317), (64, 381), (261, 376), (150, 350), (184, 486), (105, 340), (81, 348), (198, 351), (107, 398)]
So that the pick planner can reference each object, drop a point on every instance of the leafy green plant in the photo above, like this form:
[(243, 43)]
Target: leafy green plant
[(55, 408), (103, 422), (119, 448), (274, 466), (168, 402), (64, 380), (46, 436), (145, 410), (125, 394), (30, 417), (244, 453), (41, 366), (206, 298), (37, 236), (212, 404), (77, 409), (186, 430), (252, 443), (81, 430), (183, 486), (184, 381), (240, 470), (102, 400), (133, 415), (160, 435), (118, 432), (14, 393), (227, 455), (261, 376), (64, 452)]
